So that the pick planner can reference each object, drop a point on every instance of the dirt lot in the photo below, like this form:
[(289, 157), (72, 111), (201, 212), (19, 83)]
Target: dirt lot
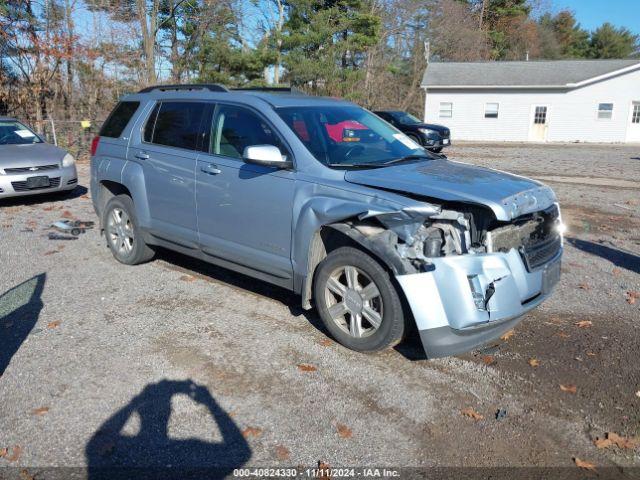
[(175, 363)]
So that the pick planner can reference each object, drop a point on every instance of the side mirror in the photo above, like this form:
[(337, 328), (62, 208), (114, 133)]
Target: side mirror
[(267, 155)]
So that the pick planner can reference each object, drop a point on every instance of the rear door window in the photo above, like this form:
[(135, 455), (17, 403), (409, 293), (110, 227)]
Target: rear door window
[(175, 124), (118, 119)]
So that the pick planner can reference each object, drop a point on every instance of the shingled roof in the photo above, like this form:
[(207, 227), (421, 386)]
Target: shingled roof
[(537, 74)]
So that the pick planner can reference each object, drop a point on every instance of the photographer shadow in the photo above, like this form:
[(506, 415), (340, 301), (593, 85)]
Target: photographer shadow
[(150, 453)]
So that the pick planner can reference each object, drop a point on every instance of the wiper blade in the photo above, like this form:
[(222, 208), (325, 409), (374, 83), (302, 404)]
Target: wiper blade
[(357, 165), (408, 158)]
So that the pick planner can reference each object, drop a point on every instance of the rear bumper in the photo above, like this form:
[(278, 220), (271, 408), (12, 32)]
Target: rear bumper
[(62, 179), (448, 316)]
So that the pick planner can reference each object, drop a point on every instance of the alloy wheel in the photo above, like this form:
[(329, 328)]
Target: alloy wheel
[(120, 231), (353, 301)]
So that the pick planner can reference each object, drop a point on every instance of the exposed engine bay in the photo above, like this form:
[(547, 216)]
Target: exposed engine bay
[(469, 229)]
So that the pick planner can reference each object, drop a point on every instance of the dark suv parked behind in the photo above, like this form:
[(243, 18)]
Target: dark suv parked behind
[(431, 136)]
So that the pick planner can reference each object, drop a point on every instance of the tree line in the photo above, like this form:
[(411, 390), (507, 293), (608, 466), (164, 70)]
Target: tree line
[(71, 59)]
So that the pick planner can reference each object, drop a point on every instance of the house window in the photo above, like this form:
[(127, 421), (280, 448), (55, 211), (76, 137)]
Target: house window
[(446, 109), (605, 111), (491, 110), (540, 116), (635, 116)]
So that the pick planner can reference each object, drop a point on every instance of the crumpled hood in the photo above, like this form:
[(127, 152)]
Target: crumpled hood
[(14, 156), (509, 196)]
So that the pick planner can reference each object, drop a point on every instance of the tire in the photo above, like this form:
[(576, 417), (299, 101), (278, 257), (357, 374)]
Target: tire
[(380, 323), (415, 138), (123, 235)]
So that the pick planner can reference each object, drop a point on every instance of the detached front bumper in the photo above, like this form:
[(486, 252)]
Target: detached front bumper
[(469, 300), (61, 179)]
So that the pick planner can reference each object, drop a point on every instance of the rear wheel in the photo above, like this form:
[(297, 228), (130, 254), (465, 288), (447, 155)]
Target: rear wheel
[(124, 237), (357, 301)]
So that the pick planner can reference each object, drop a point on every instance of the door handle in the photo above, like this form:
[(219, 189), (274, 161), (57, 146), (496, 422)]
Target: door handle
[(142, 155), (211, 169)]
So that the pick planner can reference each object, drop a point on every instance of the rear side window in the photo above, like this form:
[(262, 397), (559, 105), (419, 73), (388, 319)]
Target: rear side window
[(118, 120), (175, 124)]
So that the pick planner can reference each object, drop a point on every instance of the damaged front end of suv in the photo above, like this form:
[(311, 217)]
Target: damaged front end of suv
[(469, 267)]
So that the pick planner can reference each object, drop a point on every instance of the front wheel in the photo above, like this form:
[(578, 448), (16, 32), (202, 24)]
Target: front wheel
[(124, 237), (357, 301)]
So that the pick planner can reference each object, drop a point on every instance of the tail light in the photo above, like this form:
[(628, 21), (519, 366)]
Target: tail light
[(94, 145)]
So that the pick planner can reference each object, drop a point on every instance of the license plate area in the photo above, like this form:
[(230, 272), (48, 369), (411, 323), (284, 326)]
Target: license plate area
[(38, 182), (550, 276), (445, 141)]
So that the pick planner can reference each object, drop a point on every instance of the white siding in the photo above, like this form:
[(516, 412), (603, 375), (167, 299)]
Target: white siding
[(572, 115)]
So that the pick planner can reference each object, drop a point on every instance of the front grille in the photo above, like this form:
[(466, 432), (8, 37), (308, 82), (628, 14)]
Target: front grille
[(538, 254), (22, 186), (38, 168), (72, 181)]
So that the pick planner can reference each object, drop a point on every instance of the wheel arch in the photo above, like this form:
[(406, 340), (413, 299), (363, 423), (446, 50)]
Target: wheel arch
[(332, 236)]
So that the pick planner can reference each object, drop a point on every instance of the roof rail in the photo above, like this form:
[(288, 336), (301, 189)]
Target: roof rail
[(212, 87), (291, 90)]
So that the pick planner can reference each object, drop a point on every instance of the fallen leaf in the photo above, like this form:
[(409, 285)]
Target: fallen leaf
[(591, 354), (344, 431), (54, 324), (16, 451), (584, 464), (251, 432), (602, 442), (188, 278), (562, 335), (305, 367), (534, 362), (489, 359), (471, 413), (67, 214), (584, 323), (282, 453), (326, 342), (568, 388), (584, 286), (623, 442), (25, 475), (616, 272), (507, 335), (632, 296), (50, 252), (48, 208), (323, 470), (40, 411), (3, 452)]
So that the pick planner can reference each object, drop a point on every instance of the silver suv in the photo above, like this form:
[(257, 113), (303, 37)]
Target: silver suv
[(326, 199)]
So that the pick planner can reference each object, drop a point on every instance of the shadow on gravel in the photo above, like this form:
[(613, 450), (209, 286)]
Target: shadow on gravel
[(43, 198), (411, 348), (19, 311), (619, 258), (244, 282), (150, 453)]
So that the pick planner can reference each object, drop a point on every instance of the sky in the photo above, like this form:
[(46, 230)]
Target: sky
[(593, 13)]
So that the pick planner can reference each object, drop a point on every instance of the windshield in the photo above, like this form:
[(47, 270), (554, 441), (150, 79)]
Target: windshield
[(15, 133), (406, 118), (349, 136)]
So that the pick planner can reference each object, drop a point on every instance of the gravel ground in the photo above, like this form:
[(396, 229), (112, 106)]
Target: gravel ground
[(175, 363)]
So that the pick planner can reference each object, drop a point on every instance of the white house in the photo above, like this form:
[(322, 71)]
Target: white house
[(539, 101)]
